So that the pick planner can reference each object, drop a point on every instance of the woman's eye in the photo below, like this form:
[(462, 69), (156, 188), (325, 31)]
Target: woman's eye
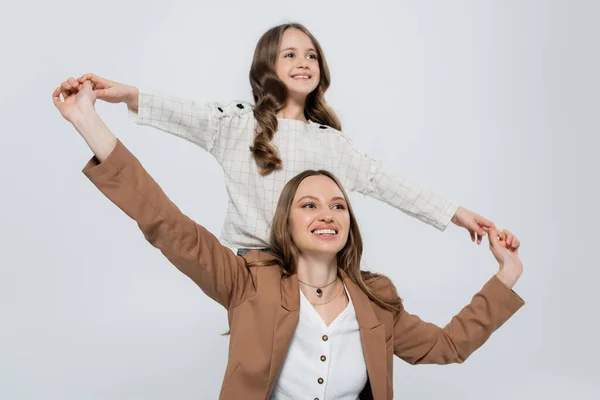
[(339, 207), (288, 55), (309, 205)]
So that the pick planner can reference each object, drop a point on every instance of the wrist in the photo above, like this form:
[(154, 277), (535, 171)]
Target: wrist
[(133, 94), (507, 277), (83, 114), (455, 216)]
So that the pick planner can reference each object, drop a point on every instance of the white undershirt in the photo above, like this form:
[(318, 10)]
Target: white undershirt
[(344, 371)]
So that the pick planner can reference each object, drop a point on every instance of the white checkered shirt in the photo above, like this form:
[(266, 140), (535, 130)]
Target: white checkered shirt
[(227, 131)]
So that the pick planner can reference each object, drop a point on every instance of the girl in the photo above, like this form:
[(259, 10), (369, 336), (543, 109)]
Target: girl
[(305, 321), (289, 129)]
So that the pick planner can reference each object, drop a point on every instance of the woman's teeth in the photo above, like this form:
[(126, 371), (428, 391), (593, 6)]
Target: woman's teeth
[(324, 232)]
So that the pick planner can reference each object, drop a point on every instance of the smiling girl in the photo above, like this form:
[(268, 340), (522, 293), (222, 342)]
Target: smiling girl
[(289, 129)]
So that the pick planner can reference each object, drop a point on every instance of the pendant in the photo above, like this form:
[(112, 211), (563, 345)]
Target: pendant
[(319, 292)]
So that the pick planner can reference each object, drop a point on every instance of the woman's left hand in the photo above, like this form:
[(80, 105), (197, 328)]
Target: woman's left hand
[(509, 263), (477, 225)]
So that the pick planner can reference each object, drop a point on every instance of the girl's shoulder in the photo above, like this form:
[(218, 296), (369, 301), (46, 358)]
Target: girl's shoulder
[(232, 109), (326, 128)]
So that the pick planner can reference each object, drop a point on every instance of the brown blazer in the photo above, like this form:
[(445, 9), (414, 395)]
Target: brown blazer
[(263, 308)]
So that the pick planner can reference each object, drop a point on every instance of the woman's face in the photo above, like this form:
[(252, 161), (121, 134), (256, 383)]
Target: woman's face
[(297, 64), (319, 217)]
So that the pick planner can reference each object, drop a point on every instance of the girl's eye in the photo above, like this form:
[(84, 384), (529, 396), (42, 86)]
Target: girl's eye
[(313, 56)]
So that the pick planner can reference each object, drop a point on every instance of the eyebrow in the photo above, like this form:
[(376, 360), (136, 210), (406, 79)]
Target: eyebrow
[(314, 198), (295, 48)]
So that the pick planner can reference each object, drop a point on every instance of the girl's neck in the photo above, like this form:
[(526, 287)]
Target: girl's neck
[(293, 110)]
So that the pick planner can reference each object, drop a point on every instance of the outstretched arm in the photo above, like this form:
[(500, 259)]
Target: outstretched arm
[(120, 176), (361, 173), (420, 342), (197, 123)]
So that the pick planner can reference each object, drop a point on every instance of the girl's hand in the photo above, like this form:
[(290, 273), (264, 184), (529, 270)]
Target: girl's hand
[(510, 265), (77, 99), (112, 92), (474, 223)]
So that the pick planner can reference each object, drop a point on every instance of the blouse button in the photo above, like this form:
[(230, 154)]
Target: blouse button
[(240, 106), (322, 127), (220, 109), (325, 338), (320, 380), (323, 358)]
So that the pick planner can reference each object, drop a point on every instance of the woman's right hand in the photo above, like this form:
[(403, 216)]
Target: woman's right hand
[(510, 265), (112, 92), (78, 99)]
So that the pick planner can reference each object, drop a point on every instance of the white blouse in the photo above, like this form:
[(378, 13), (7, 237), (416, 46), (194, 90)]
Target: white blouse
[(323, 362), (227, 131)]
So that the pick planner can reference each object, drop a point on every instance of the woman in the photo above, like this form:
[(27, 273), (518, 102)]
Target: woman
[(289, 129), (305, 321)]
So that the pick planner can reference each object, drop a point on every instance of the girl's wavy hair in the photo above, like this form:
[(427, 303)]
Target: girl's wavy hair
[(270, 96), (286, 253)]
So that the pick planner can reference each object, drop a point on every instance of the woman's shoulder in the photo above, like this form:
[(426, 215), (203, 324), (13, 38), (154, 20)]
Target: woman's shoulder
[(379, 283)]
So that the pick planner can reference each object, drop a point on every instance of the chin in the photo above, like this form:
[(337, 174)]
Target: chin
[(330, 249), (321, 253), (303, 91)]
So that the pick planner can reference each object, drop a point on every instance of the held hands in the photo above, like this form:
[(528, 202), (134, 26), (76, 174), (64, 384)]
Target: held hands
[(112, 92), (77, 107), (511, 266), (78, 99), (474, 223)]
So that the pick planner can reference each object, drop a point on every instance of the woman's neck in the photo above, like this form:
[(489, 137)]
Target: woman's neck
[(293, 110), (317, 271)]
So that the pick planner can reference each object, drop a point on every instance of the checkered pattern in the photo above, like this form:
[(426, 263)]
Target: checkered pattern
[(227, 130)]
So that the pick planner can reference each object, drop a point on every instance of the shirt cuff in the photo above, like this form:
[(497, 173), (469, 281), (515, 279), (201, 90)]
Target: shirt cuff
[(144, 99), (443, 222)]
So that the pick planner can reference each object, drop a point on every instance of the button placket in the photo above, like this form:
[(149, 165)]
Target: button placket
[(323, 363)]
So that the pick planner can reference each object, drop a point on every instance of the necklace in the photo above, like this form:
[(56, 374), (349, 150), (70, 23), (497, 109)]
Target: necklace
[(319, 288), (330, 300)]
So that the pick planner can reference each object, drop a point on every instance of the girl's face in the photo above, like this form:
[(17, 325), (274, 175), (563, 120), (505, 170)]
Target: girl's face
[(319, 217), (297, 64)]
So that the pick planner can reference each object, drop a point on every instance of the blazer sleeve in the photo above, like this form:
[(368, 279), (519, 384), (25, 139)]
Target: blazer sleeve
[(362, 174), (420, 342), (197, 253)]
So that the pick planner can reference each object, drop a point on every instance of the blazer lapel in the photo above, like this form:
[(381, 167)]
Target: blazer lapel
[(286, 320), (372, 337)]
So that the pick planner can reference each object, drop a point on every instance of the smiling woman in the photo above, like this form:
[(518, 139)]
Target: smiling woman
[(289, 340)]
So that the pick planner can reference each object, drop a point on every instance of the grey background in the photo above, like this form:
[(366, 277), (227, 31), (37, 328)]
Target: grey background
[(493, 104)]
